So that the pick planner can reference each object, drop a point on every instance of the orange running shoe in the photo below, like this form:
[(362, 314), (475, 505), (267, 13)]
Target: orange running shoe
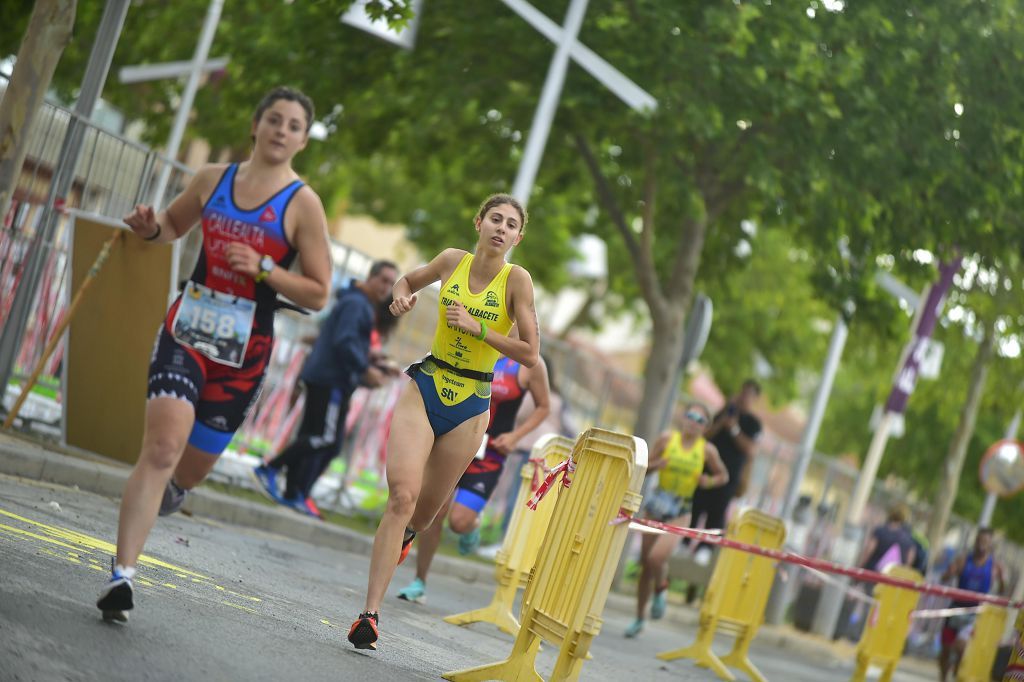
[(363, 633), (406, 545), (313, 509)]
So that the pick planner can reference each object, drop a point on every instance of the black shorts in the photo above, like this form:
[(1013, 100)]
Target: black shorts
[(221, 395), (481, 477)]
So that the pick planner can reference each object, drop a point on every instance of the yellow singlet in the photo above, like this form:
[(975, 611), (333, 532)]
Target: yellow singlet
[(460, 349), (682, 473)]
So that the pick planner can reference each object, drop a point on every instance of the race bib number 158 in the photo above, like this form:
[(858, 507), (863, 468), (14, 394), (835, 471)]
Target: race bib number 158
[(215, 324)]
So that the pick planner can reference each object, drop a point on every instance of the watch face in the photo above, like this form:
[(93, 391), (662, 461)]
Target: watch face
[(266, 264)]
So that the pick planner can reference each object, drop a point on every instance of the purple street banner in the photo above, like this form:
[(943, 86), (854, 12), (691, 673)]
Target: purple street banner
[(906, 378)]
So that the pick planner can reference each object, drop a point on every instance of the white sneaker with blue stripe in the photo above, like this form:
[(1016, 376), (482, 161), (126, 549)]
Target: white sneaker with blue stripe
[(117, 597)]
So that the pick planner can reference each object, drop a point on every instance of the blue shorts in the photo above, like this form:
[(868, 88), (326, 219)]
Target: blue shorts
[(443, 418), (481, 477)]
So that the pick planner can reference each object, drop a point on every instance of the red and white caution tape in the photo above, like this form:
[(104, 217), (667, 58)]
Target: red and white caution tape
[(854, 592), (943, 613), (656, 531), (861, 574), (539, 465), (566, 468)]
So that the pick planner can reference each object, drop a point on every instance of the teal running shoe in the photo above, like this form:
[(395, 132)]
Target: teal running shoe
[(635, 627), (416, 592), (468, 542), (658, 604)]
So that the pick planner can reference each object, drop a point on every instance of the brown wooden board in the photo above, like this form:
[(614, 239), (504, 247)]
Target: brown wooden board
[(110, 340)]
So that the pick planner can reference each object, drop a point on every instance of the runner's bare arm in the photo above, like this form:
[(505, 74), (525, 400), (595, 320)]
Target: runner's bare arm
[(540, 390), (437, 270), (526, 349), (719, 474), (182, 214), (310, 288), (956, 566), (999, 574), (658, 461)]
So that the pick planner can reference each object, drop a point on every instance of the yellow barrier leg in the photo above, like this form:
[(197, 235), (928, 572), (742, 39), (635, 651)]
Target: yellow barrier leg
[(860, 672), (887, 625), (498, 612), (701, 653), (571, 657), (1017, 654), (739, 657), (520, 666), (980, 655)]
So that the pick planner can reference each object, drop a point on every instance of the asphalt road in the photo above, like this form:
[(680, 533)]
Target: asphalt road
[(218, 602)]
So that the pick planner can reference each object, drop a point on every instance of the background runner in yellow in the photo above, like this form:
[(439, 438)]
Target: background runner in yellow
[(683, 466), (680, 456), (462, 350)]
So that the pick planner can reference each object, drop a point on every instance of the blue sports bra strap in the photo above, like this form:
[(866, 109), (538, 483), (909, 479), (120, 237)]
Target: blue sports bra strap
[(290, 191), (228, 178), (284, 198), (226, 182)]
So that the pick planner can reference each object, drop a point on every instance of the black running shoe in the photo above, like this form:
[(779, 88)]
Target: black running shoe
[(363, 633)]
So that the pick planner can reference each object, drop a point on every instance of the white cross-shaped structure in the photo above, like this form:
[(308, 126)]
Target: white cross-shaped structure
[(568, 47)]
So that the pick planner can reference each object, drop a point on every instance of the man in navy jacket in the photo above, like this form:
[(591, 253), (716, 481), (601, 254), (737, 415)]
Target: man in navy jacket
[(338, 364)]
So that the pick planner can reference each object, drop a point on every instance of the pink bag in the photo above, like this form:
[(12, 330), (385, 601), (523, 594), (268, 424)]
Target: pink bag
[(893, 555)]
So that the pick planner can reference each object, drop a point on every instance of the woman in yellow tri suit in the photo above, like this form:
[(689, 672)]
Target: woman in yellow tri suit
[(681, 458), (441, 415)]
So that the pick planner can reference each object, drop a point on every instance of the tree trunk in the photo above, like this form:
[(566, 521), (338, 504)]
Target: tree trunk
[(666, 351), (595, 292), (48, 33), (958, 446)]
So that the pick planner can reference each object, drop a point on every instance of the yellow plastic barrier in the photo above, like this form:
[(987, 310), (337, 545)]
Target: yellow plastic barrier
[(1015, 666), (980, 654), (518, 552), (569, 584), (887, 625), (736, 597)]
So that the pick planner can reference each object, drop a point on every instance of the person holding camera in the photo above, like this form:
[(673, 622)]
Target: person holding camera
[(734, 432), (340, 361)]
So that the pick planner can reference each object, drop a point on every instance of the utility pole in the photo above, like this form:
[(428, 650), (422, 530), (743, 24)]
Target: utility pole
[(830, 604)]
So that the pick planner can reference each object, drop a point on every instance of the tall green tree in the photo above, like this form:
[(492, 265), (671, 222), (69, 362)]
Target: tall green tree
[(46, 35)]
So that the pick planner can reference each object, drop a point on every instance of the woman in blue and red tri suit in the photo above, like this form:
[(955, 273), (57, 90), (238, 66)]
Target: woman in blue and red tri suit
[(212, 351)]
